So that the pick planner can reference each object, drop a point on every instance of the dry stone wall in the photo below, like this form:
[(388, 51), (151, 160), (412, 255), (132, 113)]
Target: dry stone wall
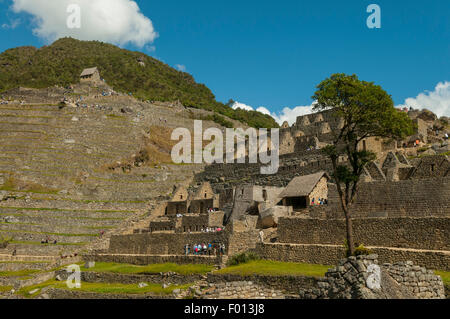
[(408, 198), (239, 290), (362, 278), (153, 259), (162, 243), (418, 233)]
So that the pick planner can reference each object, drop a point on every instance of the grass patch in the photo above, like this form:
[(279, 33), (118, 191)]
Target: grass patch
[(5, 288), (113, 288), (25, 116), (275, 268), (188, 269), (445, 275), (98, 227), (16, 185)]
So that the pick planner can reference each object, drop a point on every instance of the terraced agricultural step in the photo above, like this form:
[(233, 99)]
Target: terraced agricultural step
[(47, 229), (62, 213), (33, 248)]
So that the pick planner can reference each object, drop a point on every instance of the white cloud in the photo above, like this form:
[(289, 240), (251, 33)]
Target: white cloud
[(12, 24), (181, 67), (287, 114), (290, 114), (115, 21), (437, 101), (243, 106)]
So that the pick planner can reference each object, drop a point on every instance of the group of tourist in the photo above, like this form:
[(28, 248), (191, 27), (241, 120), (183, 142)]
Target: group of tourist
[(212, 229), (319, 202), (211, 249), (313, 148), (69, 256), (47, 240)]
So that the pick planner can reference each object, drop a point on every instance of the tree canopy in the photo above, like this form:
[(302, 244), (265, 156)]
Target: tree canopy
[(365, 110)]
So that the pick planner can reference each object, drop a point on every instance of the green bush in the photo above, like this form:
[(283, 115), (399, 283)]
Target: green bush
[(242, 258), (359, 250), (4, 241)]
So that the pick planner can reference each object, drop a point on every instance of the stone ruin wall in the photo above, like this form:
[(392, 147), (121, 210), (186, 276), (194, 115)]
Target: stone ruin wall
[(320, 191), (430, 167), (407, 198), (417, 233), (355, 278), (290, 284), (174, 243), (161, 243), (144, 260), (226, 176)]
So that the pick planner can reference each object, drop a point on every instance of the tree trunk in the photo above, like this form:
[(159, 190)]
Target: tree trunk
[(348, 222)]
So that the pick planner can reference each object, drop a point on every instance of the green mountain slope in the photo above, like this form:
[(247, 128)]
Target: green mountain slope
[(62, 62)]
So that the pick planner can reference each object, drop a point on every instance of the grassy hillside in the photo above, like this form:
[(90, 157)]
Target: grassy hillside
[(62, 62)]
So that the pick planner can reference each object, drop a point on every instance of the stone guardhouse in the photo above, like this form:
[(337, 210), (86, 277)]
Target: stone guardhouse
[(303, 190), (178, 203), (91, 76)]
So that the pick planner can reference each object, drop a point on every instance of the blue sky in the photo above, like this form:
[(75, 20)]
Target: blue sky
[(273, 54)]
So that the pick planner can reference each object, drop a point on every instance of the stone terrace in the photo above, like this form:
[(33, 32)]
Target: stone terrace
[(54, 180)]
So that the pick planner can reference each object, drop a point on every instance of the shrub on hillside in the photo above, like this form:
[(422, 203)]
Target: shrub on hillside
[(242, 258), (61, 64), (4, 241), (359, 250)]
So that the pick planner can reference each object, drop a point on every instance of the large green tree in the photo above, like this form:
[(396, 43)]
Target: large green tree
[(366, 110)]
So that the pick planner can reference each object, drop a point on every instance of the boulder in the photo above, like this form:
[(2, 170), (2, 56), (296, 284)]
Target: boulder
[(362, 278), (89, 264)]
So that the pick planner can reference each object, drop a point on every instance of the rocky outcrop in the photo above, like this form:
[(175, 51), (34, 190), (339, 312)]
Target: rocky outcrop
[(362, 278)]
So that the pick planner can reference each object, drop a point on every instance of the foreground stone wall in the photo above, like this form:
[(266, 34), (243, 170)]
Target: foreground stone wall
[(362, 278), (331, 254), (242, 241), (286, 284), (418, 233)]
